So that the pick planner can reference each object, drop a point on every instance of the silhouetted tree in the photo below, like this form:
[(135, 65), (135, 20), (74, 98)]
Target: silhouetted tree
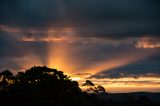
[(92, 88), (101, 88), (6, 77), (6, 74), (41, 84), (88, 83)]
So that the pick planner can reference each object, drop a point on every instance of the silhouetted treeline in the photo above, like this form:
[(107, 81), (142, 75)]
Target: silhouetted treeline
[(42, 86)]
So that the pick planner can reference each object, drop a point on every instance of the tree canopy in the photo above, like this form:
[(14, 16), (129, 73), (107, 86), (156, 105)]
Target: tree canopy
[(41, 84)]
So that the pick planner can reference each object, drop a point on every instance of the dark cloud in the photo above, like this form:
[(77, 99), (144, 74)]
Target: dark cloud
[(28, 13), (14, 52), (145, 68), (11, 46), (111, 18)]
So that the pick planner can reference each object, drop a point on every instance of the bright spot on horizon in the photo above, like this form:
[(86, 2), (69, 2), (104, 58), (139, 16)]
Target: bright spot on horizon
[(76, 78)]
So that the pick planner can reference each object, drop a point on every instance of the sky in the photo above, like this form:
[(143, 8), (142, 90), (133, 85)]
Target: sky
[(111, 42)]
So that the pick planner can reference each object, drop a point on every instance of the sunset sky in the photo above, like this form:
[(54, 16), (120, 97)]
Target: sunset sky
[(115, 43)]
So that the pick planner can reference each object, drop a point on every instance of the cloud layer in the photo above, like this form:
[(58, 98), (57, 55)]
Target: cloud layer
[(106, 38)]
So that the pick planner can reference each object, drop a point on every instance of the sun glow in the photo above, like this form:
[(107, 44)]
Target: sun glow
[(76, 78), (61, 47), (59, 52), (64, 54), (125, 58)]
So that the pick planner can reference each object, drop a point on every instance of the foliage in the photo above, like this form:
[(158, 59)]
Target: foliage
[(92, 88), (88, 83), (42, 86), (38, 86)]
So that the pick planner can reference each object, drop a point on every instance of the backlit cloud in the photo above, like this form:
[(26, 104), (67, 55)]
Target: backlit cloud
[(148, 43)]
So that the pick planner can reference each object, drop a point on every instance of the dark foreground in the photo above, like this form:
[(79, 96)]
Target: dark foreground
[(127, 99), (42, 86)]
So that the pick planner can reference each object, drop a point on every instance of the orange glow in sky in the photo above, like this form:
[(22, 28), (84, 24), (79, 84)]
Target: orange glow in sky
[(60, 55), (127, 84)]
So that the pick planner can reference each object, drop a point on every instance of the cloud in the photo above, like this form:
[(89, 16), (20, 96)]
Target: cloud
[(148, 67), (16, 55), (80, 35), (148, 43), (70, 35), (30, 13), (106, 19)]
